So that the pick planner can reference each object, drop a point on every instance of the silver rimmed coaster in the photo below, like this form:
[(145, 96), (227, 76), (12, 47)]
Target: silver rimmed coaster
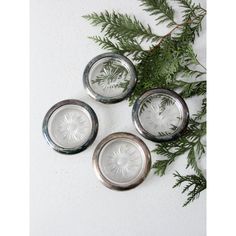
[(160, 115), (109, 78), (70, 126), (121, 161)]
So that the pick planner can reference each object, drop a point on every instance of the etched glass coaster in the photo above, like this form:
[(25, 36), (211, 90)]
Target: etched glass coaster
[(121, 161), (109, 78), (70, 126), (160, 115)]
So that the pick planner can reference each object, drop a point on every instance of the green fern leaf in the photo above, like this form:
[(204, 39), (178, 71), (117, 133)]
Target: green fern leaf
[(160, 9)]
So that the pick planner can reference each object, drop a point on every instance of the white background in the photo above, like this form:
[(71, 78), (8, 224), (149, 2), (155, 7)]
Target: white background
[(66, 197), (14, 74)]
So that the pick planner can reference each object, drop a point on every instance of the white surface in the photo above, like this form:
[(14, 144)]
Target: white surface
[(66, 197), (14, 167)]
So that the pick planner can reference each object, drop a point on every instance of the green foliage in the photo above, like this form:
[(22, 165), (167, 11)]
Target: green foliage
[(192, 89), (202, 113), (191, 143), (167, 63), (161, 68), (193, 13), (195, 184), (129, 48), (160, 9), (187, 72), (121, 26)]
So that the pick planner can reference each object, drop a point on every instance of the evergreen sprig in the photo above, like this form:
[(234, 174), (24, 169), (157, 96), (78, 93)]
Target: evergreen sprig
[(190, 143), (169, 62), (129, 48), (193, 13), (160, 9), (190, 89), (195, 184), (121, 26)]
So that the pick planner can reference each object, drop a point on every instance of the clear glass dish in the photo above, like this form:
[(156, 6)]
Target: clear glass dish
[(70, 126), (121, 161), (160, 115), (109, 78)]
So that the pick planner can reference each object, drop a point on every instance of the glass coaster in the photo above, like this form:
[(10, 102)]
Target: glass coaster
[(121, 161), (109, 78), (160, 115), (70, 126)]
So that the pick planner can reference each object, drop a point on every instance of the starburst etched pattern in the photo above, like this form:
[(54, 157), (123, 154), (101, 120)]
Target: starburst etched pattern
[(70, 127), (121, 162), (161, 115)]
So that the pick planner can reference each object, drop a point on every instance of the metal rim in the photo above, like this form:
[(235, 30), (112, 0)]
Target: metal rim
[(145, 133), (101, 145), (104, 99), (91, 138)]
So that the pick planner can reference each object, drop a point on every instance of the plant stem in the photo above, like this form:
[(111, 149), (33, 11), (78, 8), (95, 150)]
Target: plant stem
[(168, 34), (162, 38)]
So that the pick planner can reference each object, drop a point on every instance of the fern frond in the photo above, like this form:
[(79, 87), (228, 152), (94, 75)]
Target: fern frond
[(187, 72), (132, 48), (124, 47), (190, 89), (185, 144), (188, 56), (121, 26), (161, 9), (195, 184), (105, 43), (192, 161), (188, 4), (193, 14), (160, 166), (202, 112)]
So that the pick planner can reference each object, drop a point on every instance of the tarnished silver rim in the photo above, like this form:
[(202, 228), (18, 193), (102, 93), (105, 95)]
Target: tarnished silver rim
[(91, 138), (101, 98), (101, 145), (145, 133)]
